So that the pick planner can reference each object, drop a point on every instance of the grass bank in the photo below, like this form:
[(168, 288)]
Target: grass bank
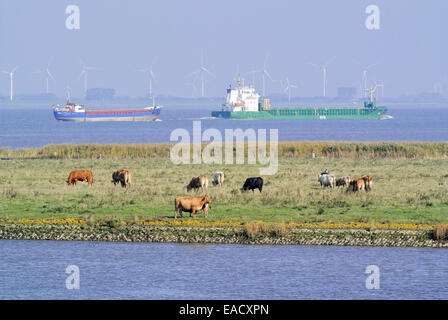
[(406, 191)]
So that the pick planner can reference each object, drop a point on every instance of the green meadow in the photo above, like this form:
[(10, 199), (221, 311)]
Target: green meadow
[(407, 188)]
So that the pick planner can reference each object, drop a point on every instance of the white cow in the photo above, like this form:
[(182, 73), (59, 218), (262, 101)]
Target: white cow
[(218, 178), (326, 180)]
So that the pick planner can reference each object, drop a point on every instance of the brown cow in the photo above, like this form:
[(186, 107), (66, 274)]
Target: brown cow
[(192, 205), (80, 175), (357, 185), (198, 182), (122, 176), (368, 181)]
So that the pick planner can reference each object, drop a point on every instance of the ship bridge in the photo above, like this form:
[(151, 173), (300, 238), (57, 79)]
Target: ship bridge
[(242, 98)]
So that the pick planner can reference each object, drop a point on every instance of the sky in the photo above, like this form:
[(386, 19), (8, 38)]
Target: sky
[(119, 37)]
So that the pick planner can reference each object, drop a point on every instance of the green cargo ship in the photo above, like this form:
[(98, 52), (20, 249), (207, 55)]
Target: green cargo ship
[(244, 103)]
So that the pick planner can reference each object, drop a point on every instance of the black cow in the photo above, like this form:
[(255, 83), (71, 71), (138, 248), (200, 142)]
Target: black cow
[(253, 183)]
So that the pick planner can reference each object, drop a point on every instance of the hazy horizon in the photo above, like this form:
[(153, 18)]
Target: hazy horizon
[(120, 37)]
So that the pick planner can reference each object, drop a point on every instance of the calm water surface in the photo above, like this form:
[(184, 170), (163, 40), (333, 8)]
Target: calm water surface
[(36, 270), (26, 126)]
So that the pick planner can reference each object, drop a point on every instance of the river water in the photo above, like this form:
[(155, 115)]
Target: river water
[(25, 126), (36, 270)]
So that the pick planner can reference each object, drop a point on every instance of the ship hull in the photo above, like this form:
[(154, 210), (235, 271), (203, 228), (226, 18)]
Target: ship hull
[(108, 115), (306, 113)]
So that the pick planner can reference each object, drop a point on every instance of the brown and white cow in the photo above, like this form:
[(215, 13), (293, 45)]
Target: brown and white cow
[(368, 181), (343, 181), (357, 185), (192, 205), (80, 175), (218, 178), (198, 182), (123, 177)]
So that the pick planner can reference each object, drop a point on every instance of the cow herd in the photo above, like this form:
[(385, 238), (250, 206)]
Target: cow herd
[(181, 204), (194, 205), (358, 184)]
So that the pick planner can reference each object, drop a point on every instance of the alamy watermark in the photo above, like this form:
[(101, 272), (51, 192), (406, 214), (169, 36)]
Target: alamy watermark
[(72, 22), (373, 280), (180, 153), (72, 281), (373, 19)]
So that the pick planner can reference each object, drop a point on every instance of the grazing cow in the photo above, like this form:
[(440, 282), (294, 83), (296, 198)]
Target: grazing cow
[(80, 175), (218, 178), (326, 180), (368, 181), (192, 205), (253, 183), (357, 185), (343, 181), (123, 177), (198, 182)]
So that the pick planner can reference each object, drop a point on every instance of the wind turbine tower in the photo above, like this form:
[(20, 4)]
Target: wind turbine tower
[(151, 75), (324, 74), (288, 88), (202, 71), (84, 73), (11, 82), (264, 73), (364, 88)]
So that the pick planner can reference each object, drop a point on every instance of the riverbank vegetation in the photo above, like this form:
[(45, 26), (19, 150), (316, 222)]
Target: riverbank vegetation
[(351, 150)]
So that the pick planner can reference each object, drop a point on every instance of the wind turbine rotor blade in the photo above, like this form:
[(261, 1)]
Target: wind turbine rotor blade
[(265, 61), (267, 74), (15, 68), (314, 65), (49, 73), (151, 73), (49, 62), (330, 61), (154, 61), (206, 70), (370, 66), (195, 72)]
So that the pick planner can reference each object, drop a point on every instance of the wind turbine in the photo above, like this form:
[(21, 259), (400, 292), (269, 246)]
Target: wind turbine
[(364, 79), (288, 88), (151, 75), (202, 71), (84, 70), (67, 93), (193, 86), (324, 73), (264, 73), (11, 82), (371, 91), (381, 85), (48, 76)]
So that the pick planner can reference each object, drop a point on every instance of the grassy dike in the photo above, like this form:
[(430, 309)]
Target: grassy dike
[(407, 207)]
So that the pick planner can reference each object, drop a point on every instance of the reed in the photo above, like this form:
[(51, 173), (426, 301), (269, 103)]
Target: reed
[(441, 232), (350, 150)]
